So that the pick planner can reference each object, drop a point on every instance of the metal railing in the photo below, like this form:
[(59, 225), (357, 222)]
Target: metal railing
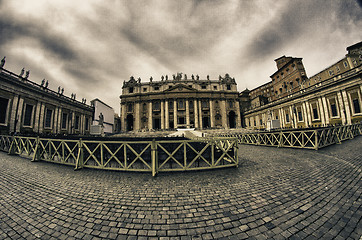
[(142, 156), (306, 138)]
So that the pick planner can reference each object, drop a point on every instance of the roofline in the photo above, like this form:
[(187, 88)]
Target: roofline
[(97, 99), (285, 65), (359, 44)]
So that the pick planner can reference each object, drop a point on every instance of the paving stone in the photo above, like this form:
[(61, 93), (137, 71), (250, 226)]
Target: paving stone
[(275, 193)]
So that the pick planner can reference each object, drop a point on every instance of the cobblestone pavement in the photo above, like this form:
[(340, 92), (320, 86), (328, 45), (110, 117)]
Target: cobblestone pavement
[(274, 194)]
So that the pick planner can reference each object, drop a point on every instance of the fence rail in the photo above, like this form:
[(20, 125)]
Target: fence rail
[(307, 138), (142, 156)]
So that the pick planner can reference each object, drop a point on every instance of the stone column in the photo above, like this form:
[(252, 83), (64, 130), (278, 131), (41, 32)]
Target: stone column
[(150, 115), (73, 122), (13, 112), (305, 115), (123, 117), (347, 107), (238, 122), (37, 116), (175, 113), (281, 117), (309, 113), (20, 114), (200, 114), (196, 113), (167, 115), (325, 108), (137, 117), (224, 115), (212, 118), (55, 126), (322, 117), (162, 115), (341, 107), (187, 113), (41, 118)]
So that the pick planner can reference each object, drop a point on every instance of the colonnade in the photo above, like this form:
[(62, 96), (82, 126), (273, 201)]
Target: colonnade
[(200, 113)]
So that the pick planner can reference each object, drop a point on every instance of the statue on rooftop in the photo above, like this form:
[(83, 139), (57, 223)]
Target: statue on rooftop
[(22, 72), (46, 84), (162, 77), (43, 82), (151, 78), (185, 77), (58, 89), (192, 77), (197, 77), (2, 62), (139, 79), (208, 77), (166, 77), (220, 78), (174, 76), (27, 74), (62, 91)]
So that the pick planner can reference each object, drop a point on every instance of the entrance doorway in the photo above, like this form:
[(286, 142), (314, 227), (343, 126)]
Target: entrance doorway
[(156, 123), (129, 122), (232, 123), (205, 122)]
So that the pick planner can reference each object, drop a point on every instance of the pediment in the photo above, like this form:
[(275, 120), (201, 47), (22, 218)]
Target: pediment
[(181, 88)]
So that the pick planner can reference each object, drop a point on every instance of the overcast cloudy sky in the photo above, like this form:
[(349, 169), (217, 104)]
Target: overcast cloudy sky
[(89, 47)]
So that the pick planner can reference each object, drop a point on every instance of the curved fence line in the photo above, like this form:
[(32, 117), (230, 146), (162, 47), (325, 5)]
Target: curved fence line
[(306, 138), (141, 156)]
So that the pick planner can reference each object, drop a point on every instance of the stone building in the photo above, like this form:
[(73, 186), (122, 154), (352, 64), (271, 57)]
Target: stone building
[(330, 97), (30, 108), (103, 115), (180, 102)]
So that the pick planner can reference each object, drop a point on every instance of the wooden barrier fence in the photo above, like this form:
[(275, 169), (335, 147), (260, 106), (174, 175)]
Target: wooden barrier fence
[(142, 156)]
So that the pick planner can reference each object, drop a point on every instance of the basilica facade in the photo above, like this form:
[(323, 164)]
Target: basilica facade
[(180, 102)]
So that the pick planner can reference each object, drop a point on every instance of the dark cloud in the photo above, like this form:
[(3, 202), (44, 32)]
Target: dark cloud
[(302, 20), (12, 29)]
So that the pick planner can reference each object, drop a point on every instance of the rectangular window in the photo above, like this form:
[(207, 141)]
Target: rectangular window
[(64, 120), (228, 87), (356, 106), (315, 111), (287, 117), (48, 118), (215, 87), (191, 104), (334, 110), (203, 87), (345, 63), (205, 104), (145, 89), (181, 104), (130, 107), (130, 90), (76, 125), (170, 105), (333, 107), (28, 114), (300, 115), (156, 88), (86, 124), (3, 109), (156, 106), (231, 104)]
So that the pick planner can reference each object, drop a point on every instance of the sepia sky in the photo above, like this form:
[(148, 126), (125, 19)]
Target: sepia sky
[(90, 47)]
